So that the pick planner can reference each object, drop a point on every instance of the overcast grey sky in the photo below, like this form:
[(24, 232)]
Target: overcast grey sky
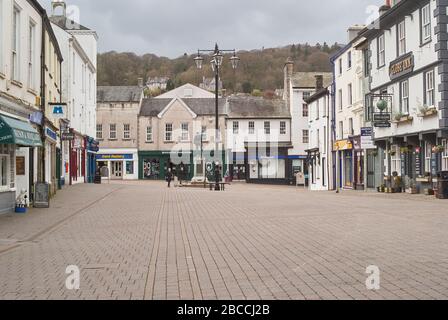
[(172, 27)]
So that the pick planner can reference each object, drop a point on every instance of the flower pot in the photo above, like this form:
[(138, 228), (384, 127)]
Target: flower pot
[(21, 210)]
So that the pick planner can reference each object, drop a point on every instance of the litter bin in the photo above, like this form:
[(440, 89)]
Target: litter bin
[(442, 185)]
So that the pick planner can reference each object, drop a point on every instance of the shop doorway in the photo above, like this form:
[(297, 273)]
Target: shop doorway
[(117, 170)]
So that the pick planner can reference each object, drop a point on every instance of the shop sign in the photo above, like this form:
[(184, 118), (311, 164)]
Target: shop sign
[(68, 136), (58, 110), (36, 117), (103, 157), (51, 134), (401, 66), (383, 124), (367, 138), (343, 145), (382, 117)]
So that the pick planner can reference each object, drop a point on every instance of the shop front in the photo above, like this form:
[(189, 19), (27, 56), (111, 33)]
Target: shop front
[(268, 164), (14, 163), (77, 159), (121, 164), (51, 140), (153, 165), (345, 159), (358, 164), (92, 147)]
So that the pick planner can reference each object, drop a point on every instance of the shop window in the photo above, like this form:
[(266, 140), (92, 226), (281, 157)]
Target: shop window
[(271, 169), (129, 167), (4, 172), (395, 154), (428, 156), (445, 155)]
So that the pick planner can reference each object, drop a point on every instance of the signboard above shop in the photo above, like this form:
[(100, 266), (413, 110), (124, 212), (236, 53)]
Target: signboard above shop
[(114, 157), (401, 66)]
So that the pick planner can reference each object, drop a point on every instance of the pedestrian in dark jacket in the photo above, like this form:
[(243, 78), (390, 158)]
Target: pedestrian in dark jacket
[(169, 177)]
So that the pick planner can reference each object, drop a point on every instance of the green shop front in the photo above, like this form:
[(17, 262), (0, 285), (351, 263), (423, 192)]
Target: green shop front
[(153, 165), (17, 142)]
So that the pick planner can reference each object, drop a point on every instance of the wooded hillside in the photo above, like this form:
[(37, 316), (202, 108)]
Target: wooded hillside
[(259, 69)]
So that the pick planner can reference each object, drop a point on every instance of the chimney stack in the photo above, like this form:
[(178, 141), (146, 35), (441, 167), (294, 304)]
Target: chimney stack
[(319, 82), (140, 82), (385, 8), (354, 30), (288, 72)]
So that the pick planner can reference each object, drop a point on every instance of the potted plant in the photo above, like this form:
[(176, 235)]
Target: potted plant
[(412, 187), (21, 203), (438, 149)]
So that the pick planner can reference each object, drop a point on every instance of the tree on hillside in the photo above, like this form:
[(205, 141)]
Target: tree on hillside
[(247, 87)]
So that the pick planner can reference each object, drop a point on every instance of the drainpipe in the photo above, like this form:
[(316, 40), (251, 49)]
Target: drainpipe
[(43, 101), (333, 125)]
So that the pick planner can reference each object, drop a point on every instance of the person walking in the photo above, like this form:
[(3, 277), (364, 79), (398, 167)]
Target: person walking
[(169, 177)]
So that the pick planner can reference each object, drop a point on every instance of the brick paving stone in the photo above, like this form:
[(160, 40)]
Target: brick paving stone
[(140, 240)]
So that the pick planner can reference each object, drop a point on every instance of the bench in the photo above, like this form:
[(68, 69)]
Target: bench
[(222, 185)]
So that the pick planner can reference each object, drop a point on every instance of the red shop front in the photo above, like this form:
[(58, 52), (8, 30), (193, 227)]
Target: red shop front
[(78, 160)]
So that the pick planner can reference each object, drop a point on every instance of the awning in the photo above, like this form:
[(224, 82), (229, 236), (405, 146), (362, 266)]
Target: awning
[(13, 131)]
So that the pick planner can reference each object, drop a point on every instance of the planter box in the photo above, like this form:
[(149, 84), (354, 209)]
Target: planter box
[(429, 113), (403, 119), (424, 179)]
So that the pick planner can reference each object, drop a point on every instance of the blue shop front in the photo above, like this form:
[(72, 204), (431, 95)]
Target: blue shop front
[(92, 148)]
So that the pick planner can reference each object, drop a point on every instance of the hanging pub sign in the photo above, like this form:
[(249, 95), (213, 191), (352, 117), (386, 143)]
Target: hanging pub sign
[(401, 66), (58, 110), (381, 106)]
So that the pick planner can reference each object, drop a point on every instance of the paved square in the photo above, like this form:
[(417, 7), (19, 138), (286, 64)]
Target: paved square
[(141, 240)]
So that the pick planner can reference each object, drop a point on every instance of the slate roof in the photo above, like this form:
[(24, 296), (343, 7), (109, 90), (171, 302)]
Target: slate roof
[(67, 24), (201, 106), (118, 94), (257, 107), (308, 79)]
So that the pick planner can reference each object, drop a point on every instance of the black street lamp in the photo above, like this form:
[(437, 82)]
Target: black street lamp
[(216, 64)]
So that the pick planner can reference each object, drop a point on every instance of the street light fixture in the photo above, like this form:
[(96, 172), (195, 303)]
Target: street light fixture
[(216, 64)]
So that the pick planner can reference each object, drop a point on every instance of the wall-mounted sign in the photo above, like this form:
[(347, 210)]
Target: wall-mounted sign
[(401, 66), (51, 134), (343, 145), (58, 110), (114, 157), (20, 166), (381, 117), (36, 117), (367, 138), (68, 136), (382, 124)]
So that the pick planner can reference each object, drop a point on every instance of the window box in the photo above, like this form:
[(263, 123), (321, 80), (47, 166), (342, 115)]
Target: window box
[(401, 118), (428, 112)]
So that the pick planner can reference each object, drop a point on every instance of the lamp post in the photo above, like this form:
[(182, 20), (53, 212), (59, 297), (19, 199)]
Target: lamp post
[(216, 64)]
